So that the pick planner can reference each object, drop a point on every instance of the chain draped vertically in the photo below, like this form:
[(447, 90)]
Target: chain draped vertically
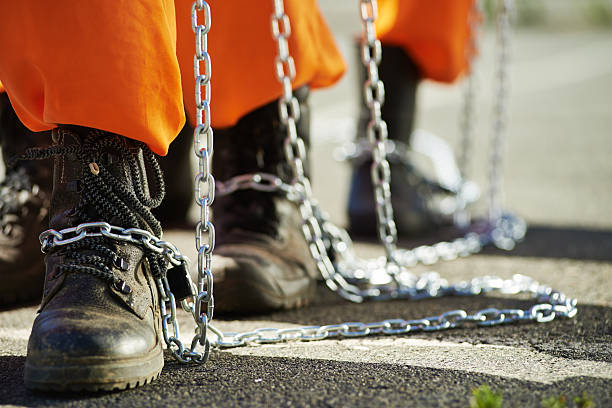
[(202, 306), (499, 112), (374, 96), (467, 118)]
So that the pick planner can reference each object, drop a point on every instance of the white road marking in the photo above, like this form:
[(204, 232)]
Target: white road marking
[(504, 361)]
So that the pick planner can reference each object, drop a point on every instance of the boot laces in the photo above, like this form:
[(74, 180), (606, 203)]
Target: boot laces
[(103, 196)]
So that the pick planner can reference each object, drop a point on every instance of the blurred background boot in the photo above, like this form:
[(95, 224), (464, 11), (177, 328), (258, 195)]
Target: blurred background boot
[(24, 204), (263, 262), (412, 193), (176, 166)]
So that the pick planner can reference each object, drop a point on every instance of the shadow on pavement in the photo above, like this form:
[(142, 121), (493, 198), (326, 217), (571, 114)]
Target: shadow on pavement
[(563, 242), (541, 241), (231, 380)]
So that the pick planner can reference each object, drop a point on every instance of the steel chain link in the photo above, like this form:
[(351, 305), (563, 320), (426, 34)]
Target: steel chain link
[(374, 96), (52, 238), (201, 303), (429, 286), (295, 154), (467, 117), (499, 110), (540, 313)]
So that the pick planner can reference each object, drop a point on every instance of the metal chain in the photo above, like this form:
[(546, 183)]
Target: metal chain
[(201, 305), (386, 277), (295, 154), (353, 278), (500, 110), (556, 303), (467, 118), (374, 96), (52, 238)]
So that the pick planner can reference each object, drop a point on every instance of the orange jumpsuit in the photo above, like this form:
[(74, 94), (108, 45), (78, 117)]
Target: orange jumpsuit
[(117, 65)]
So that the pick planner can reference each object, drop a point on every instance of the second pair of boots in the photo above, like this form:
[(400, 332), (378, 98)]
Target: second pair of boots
[(263, 261)]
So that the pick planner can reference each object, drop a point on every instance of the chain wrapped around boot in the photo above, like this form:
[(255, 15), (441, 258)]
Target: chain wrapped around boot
[(98, 326), (262, 261)]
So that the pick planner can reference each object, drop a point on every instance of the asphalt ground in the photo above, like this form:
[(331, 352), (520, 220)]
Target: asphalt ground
[(558, 176)]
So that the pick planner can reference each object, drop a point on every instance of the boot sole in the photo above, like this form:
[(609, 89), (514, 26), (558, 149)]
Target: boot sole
[(93, 375), (240, 297)]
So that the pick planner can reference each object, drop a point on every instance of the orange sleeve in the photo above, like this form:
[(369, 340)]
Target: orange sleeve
[(1, 87), (435, 33), (113, 65), (109, 65), (243, 51)]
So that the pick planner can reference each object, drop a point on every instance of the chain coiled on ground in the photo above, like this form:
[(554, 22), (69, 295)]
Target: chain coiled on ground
[(386, 277)]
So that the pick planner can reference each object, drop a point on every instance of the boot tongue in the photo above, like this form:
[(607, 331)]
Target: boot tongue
[(69, 174)]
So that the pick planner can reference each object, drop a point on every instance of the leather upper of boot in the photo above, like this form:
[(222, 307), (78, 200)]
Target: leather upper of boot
[(100, 297), (260, 240)]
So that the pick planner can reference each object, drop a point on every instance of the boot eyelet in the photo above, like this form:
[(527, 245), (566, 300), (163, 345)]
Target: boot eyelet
[(55, 274), (122, 287), (121, 264)]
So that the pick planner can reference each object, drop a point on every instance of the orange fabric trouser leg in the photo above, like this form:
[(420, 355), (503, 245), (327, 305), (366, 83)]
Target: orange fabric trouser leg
[(435, 33), (109, 65), (243, 53), (113, 65)]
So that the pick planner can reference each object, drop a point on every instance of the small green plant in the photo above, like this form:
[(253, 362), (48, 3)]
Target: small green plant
[(483, 397), (584, 402), (554, 402)]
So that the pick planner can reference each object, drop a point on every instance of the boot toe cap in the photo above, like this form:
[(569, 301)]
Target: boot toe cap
[(81, 334)]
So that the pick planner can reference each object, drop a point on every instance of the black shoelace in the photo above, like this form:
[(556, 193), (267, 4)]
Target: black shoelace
[(104, 197)]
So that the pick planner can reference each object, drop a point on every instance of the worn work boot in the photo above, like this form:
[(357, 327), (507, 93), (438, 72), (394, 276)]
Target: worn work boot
[(24, 205), (176, 167), (412, 193), (98, 326), (264, 261)]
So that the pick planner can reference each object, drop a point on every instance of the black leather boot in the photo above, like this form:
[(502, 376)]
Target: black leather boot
[(263, 262), (412, 193), (98, 326), (24, 205)]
